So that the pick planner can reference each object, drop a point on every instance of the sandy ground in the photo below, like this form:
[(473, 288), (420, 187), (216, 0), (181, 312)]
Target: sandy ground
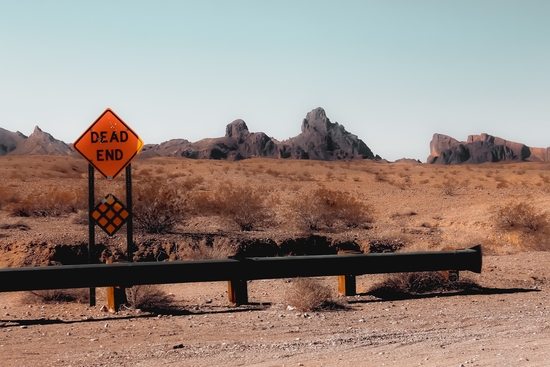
[(504, 323)]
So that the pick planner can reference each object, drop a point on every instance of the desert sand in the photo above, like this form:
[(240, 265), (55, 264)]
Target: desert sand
[(502, 322)]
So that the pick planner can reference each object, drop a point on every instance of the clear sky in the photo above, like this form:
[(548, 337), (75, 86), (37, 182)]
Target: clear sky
[(392, 72)]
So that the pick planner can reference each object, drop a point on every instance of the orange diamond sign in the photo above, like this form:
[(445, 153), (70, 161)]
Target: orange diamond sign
[(109, 144), (110, 214)]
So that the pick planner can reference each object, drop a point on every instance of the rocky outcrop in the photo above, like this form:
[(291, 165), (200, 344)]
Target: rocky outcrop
[(320, 139), (41, 143), (323, 140), (238, 143), (9, 141), (480, 149)]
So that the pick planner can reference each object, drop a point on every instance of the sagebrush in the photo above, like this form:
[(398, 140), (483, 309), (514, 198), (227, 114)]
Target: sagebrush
[(244, 205), (49, 202), (308, 294), (158, 206), (79, 295), (521, 216), (409, 284), (149, 298), (329, 208)]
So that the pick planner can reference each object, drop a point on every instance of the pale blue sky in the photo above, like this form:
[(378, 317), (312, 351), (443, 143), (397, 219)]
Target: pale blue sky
[(392, 72)]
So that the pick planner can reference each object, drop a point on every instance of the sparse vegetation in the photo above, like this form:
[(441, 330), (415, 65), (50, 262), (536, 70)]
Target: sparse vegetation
[(18, 225), (326, 207), (157, 206), (449, 188), (149, 298), (243, 205), (205, 251), (79, 295), (521, 216), (49, 202), (308, 294), (410, 284)]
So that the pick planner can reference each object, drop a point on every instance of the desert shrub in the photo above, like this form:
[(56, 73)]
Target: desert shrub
[(8, 195), (18, 225), (273, 172), (308, 294), (406, 284), (190, 182), (149, 298), (205, 251), (79, 295), (243, 205), (54, 202), (380, 177), (383, 245), (157, 206), (325, 207), (449, 188), (521, 216), (81, 217)]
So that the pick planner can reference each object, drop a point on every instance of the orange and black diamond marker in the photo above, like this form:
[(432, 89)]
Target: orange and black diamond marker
[(110, 214)]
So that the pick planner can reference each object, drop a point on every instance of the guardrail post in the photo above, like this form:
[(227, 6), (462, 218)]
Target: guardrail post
[(116, 296), (347, 283), (237, 291)]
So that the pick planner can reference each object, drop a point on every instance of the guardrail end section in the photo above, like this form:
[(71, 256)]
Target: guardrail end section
[(479, 259)]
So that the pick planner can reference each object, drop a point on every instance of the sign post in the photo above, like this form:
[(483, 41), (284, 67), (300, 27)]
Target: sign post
[(109, 145)]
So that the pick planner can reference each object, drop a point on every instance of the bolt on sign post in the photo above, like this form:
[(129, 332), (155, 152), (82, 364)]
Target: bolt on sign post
[(109, 145)]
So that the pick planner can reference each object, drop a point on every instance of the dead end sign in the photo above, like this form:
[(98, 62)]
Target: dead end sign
[(109, 144)]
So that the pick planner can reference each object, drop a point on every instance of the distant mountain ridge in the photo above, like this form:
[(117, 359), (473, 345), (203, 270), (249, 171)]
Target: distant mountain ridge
[(482, 148), (10, 140), (320, 139)]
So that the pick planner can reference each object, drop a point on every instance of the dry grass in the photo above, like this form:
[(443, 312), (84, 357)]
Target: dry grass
[(158, 206), (524, 219), (149, 298), (364, 200), (308, 294), (521, 216), (409, 284), (47, 202), (79, 295), (330, 208), (209, 251)]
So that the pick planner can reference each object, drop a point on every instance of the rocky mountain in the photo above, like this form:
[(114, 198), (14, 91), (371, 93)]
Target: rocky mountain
[(10, 140), (320, 139), (41, 143), (323, 140), (482, 148)]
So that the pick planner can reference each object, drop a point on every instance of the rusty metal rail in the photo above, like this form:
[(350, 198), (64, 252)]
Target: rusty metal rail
[(233, 270)]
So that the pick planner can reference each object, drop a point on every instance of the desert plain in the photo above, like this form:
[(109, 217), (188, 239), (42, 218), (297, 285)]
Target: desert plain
[(500, 321)]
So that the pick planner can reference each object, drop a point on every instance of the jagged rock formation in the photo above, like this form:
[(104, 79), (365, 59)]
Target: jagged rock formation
[(323, 140), (41, 143), (320, 139), (9, 141), (238, 143), (480, 149)]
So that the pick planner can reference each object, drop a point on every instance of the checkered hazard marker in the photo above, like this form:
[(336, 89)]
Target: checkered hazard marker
[(110, 214)]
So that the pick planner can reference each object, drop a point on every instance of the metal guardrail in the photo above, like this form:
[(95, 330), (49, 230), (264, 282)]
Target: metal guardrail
[(129, 274)]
